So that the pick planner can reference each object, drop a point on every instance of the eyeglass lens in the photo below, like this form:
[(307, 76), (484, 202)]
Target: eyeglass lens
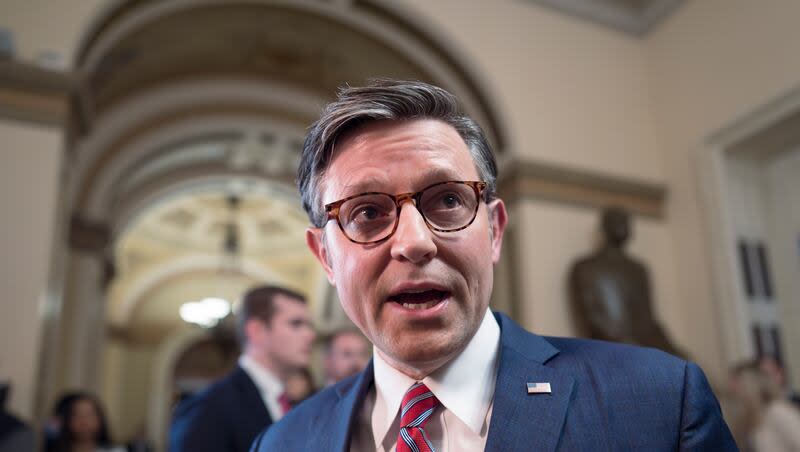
[(372, 217)]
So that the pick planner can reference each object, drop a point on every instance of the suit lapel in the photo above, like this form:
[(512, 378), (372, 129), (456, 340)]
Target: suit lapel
[(248, 406), (333, 429), (522, 421), (250, 398)]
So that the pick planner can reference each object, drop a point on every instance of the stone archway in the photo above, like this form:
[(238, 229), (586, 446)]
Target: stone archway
[(311, 45), (254, 74)]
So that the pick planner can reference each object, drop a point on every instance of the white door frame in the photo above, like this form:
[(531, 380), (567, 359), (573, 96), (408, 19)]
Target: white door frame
[(720, 237)]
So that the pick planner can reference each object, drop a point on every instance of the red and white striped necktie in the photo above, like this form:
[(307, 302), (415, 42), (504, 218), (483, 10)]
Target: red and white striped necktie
[(417, 406)]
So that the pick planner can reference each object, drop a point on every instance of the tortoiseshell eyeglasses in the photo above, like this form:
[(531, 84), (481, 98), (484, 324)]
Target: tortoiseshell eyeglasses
[(372, 217)]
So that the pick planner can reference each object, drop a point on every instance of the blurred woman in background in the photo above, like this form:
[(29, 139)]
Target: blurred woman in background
[(84, 427), (299, 386), (768, 421)]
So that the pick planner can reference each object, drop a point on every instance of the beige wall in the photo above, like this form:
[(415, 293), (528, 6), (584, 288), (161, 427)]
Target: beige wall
[(711, 63), (42, 25), (572, 93), (136, 384), (127, 384), (30, 159)]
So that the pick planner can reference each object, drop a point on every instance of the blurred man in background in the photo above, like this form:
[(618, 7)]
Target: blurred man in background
[(275, 331), (346, 353), (15, 435)]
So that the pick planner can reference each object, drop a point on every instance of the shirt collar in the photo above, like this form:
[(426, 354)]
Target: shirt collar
[(265, 381), (465, 385)]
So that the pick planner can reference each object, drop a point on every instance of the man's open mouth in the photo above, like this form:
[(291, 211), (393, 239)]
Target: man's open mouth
[(419, 299)]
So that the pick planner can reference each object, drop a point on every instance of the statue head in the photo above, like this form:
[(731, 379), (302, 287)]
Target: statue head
[(616, 226)]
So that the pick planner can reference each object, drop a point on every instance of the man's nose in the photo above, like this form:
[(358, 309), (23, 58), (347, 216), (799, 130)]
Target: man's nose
[(413, 240)]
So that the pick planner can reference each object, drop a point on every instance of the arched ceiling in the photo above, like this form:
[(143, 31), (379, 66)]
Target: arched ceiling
[(156, 316), (196, 223), (308, 45), (277, 43), (173, 253)]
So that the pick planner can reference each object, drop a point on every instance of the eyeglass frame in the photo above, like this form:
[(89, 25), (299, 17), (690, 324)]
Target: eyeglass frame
[(332, 208)]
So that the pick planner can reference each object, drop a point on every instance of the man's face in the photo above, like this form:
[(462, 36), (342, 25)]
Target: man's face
[(450, 274), (288, 338), (348, 355)]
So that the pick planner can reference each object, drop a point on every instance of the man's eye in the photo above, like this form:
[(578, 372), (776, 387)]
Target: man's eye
[(452, 200), (448, 200), (366, 213)]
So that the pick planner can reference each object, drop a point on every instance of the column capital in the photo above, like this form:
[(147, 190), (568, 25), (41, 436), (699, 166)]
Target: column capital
[(88, 236)]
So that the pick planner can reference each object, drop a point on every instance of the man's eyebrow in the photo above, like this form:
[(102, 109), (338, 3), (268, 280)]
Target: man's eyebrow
[(428, 176), (434, 175), (365, 185)]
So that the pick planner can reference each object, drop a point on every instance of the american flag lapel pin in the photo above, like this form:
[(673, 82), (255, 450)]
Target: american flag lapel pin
[(539, 388)]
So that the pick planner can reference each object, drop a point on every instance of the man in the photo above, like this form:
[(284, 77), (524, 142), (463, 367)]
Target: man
[(15, 435), (400, 189), (275, 331), (346, 354)]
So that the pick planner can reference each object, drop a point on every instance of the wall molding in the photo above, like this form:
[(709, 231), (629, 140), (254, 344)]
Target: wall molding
[(526, 179), (30, 93), (635, 18)]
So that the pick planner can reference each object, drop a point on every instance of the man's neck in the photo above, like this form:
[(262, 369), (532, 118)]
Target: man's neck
[(419, 370), (267, 364)]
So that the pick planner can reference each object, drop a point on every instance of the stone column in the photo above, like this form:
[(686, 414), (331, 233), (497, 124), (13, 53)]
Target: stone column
[(83, 314)]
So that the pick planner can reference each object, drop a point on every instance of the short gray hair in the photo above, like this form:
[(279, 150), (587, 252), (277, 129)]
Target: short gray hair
[(385, 99)]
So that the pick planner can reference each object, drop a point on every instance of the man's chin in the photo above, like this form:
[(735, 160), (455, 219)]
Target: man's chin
[(421, 355), (302, 364)]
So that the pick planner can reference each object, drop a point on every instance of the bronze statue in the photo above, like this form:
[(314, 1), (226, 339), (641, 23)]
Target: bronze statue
[(610, 291)]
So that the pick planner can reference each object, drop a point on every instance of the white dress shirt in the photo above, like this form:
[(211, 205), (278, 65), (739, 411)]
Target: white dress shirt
[(269, 386), (464, 387)]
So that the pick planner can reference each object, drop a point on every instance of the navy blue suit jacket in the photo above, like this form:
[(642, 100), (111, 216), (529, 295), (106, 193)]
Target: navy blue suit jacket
[(226, 417), (605, 397)]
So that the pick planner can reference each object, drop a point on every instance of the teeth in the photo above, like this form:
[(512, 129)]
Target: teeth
[(418, 306)]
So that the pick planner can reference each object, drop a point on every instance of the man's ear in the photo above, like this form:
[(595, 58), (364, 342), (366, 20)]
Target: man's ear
[(315, 239), (253, 330), (498, 220)]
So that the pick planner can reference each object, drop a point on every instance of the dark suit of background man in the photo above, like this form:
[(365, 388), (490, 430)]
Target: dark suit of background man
[(15, 435), (275, 330), (413, 268)]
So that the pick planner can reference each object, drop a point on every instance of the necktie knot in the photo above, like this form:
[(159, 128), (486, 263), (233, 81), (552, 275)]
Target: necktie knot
[(284, 402), (415, 410)]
